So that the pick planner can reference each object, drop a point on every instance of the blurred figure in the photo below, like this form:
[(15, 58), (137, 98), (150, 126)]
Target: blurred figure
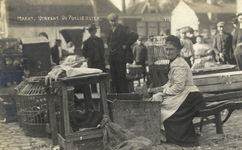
[(222, 44), (235, 23), (56, 52), (213, 31), (178, 33), (187, 52), (237, 41), (203, 54), (190, 35), (140, 56), (149, 41)]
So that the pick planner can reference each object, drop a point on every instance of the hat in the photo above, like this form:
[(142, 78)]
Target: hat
[(199, 36), (91, 27), (113, 17), (221, 24), (183, 30), (151, 36), (174, 39), (58, 40), (141, 38), (214, 27), (234, 21), (190, 30)]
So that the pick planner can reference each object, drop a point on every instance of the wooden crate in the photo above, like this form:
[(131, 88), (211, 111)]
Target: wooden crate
[(219, 82), (143, 118)]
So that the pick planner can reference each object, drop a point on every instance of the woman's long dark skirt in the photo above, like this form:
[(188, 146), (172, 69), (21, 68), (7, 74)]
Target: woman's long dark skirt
[(179, 127)]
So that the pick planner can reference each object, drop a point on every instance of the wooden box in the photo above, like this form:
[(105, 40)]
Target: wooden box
[(36, 53), (219, 82), (143, 118)]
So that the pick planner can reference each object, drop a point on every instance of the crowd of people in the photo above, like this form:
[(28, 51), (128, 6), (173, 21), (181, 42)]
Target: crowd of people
[(180, 98)]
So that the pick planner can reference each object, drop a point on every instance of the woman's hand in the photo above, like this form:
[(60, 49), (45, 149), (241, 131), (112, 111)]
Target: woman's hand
[(156, 90)]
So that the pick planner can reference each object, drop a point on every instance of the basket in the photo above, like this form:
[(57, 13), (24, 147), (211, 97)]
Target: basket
[(134, 70), (34, 123)]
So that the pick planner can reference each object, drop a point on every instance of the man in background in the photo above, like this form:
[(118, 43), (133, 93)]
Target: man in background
[(222, 44), (187, 52), (93, 50), (237, 41), (56, 52), (119, 43), (140, 56), (190, 35), (149, 41)]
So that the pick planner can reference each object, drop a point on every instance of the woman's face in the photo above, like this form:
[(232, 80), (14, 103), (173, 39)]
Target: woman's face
[(171, 52)]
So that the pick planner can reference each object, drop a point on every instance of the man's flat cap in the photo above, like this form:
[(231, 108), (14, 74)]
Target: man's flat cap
[(184, 30), (221, 24), (113, 17), (190, 29)]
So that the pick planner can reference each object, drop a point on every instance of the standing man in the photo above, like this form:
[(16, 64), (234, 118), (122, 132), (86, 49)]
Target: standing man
[(190, 35), (187, 52), (93, 50), (222, 44), (140, 56), (119, 43), (56, 52), (237, 41)]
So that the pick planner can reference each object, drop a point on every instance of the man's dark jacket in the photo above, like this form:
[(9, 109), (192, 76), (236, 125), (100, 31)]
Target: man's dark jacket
[(93, 49), (121, 36)]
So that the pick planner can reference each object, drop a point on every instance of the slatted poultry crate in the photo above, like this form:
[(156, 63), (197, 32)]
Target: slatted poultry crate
[(32, 107)]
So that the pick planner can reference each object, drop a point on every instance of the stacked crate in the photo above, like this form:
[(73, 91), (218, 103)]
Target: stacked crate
[(8, 108), (11, 62), (156, 50)]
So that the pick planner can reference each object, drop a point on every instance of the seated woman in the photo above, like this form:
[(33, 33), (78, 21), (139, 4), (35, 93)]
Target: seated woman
[(180, 99), (204, 54)]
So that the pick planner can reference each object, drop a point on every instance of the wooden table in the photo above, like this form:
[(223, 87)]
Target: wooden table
[(66, 137)]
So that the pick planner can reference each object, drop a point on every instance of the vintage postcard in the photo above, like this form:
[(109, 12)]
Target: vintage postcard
[(120, 74)]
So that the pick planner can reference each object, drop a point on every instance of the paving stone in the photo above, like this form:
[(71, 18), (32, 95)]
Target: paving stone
[(6, 143), (15, 128), (27, 148), (13, 148), (2, 146), (25, 144)]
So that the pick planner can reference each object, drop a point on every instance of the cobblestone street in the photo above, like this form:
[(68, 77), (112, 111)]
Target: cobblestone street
[(12, 137)]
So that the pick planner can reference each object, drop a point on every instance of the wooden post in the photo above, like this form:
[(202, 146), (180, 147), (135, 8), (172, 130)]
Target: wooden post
[(218, 122), (52, 117), (103, 98)]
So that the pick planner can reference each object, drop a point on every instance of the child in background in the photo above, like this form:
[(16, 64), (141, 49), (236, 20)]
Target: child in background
[(140, 56)]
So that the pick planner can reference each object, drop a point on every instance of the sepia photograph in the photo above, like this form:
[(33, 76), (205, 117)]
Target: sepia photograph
[(120, 75)]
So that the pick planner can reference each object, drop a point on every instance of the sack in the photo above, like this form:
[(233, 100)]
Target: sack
[(129, 58), (113, 134), (139, 143)]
